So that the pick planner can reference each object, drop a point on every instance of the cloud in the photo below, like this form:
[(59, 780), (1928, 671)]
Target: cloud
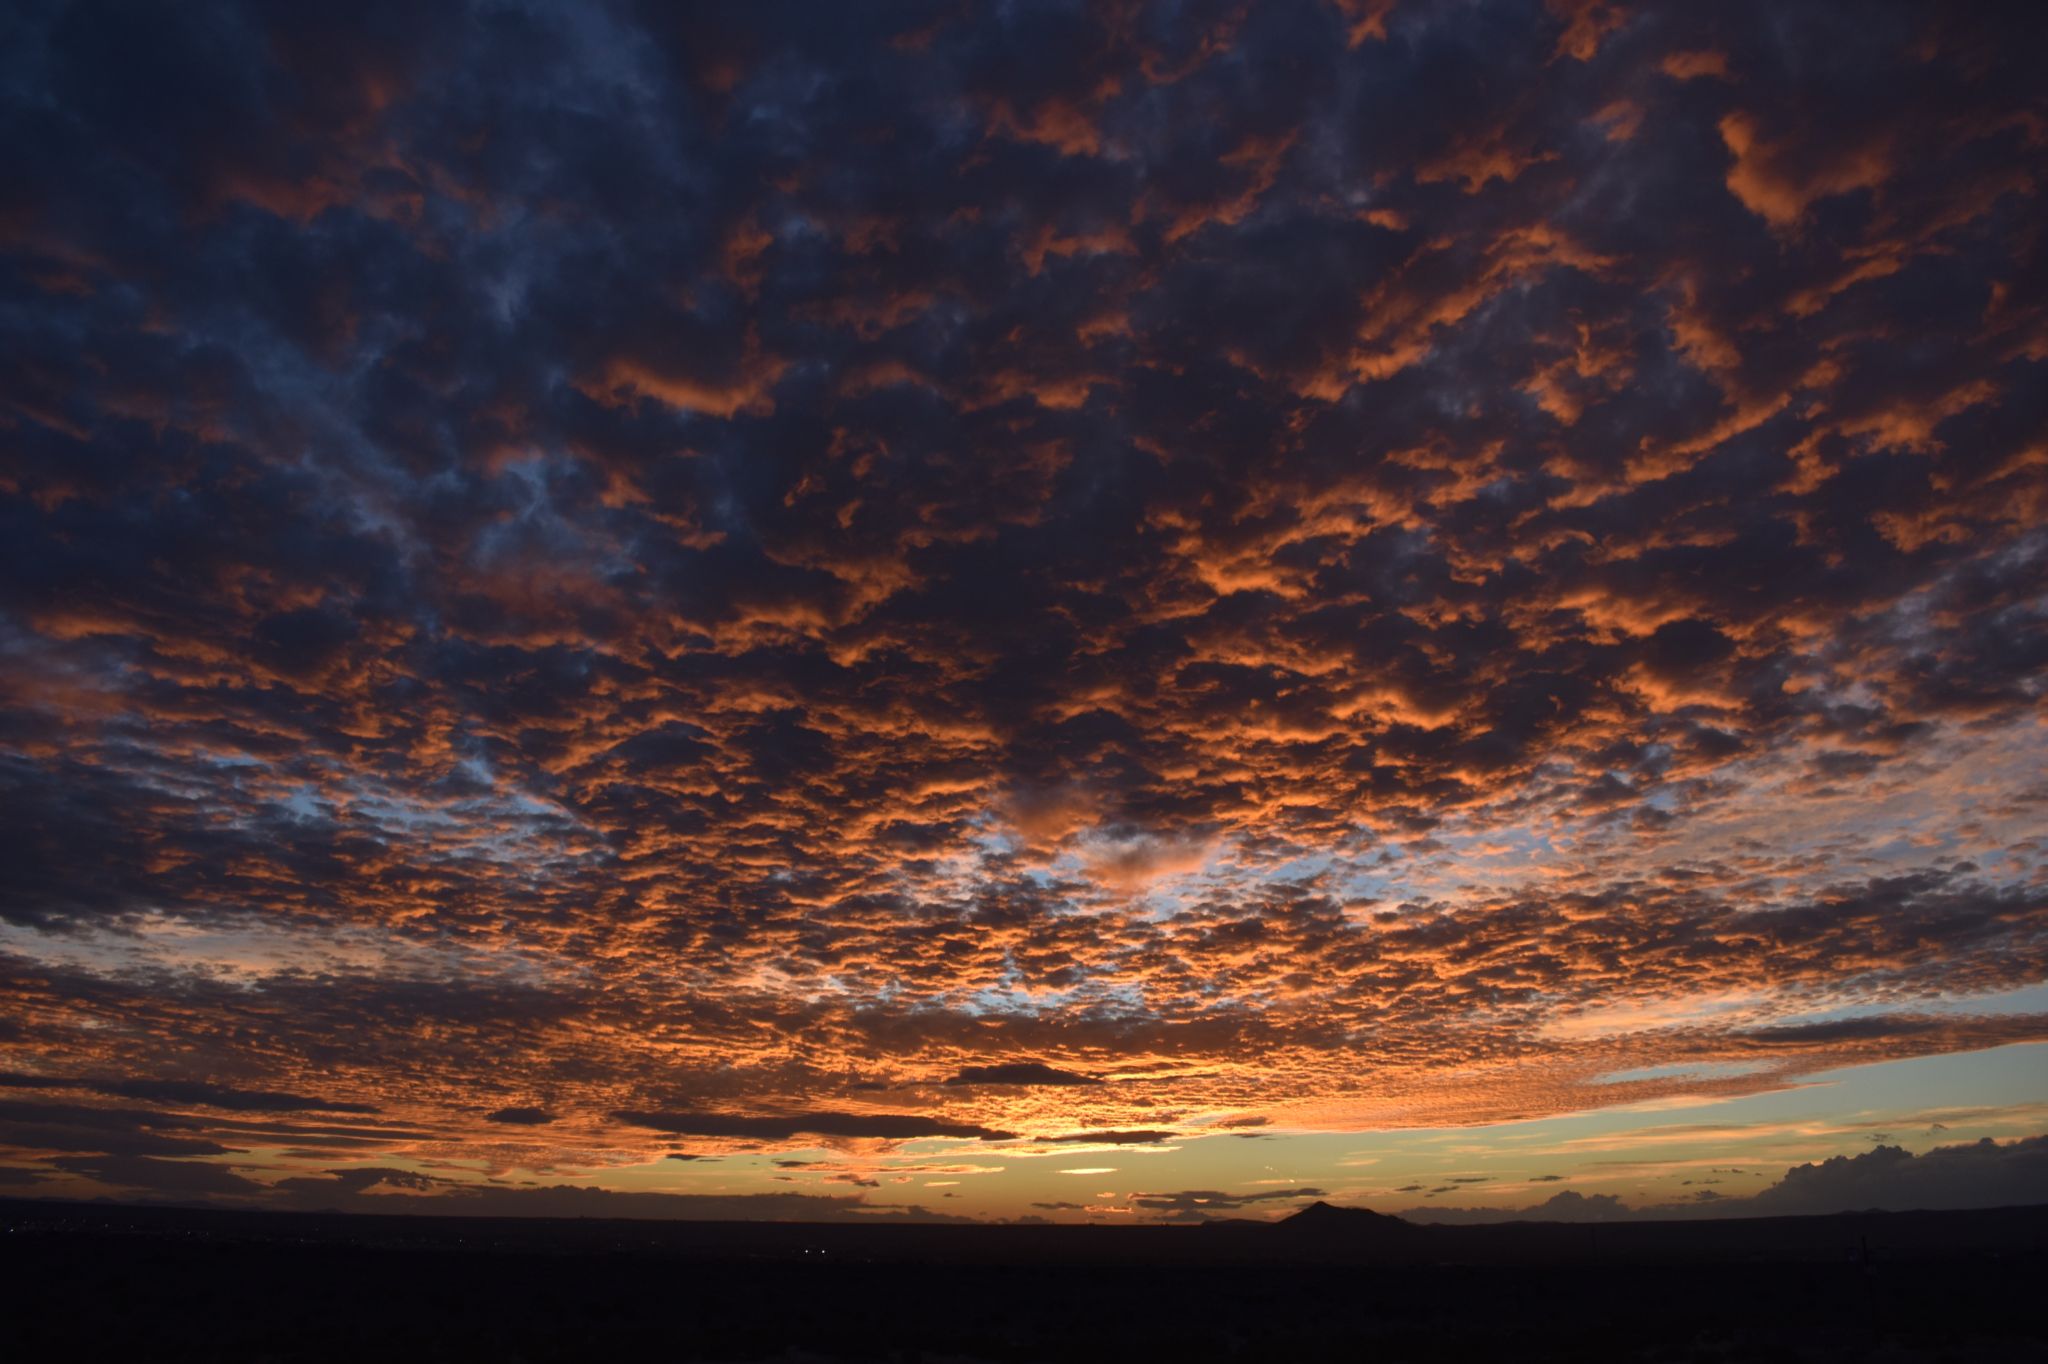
[(1982, 1174), (521, 1117), (1567, 1205), (359, 1179), (400, 1192), (1203, 1204), (781, 1127), (223, 1096), (1511, 531), (1979, 1175), (147, 1174), (109, 1131), (189, 1092), (1020, 1073)]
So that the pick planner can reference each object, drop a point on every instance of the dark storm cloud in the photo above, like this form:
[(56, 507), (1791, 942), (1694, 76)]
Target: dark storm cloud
[(705, 561)]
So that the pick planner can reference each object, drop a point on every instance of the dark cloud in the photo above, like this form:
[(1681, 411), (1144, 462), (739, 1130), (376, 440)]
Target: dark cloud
[(149, 1175), (521, 1117), (358, 1179), (781, 1127), (403, 1193), (1565, 1206), (1841, 1030), (1982, 1174), (110, 1131), (1020, 1073), (1203, 1204), (189, 1092), (225, 1097)]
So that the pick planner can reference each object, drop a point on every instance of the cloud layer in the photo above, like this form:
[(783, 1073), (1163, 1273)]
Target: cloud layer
[(870, 573)]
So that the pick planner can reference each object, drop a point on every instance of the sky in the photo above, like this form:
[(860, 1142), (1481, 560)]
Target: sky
[(1124, 612)]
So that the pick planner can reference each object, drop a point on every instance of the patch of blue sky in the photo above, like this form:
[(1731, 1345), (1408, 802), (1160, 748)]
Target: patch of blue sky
[(1001, 999), (1015, 996), (1662, 798), (1305, 867), (994, 839), (1526, 843)]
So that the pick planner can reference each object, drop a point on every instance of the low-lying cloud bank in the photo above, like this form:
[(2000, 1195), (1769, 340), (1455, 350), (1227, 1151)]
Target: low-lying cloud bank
[(1984, 1174)]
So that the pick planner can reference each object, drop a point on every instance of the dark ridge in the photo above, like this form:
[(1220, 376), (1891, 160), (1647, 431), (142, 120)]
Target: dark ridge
[(111, 1281), (1320, 1216)]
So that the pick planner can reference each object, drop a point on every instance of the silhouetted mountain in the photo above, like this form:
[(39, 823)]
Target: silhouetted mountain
[(1327, 1219)]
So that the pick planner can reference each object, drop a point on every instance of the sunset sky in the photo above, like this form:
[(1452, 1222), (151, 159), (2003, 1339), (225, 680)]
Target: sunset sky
[(1124, 611)]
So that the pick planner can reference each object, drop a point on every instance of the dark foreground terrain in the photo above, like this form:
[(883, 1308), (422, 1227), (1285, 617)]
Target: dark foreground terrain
[(88, 1281)]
